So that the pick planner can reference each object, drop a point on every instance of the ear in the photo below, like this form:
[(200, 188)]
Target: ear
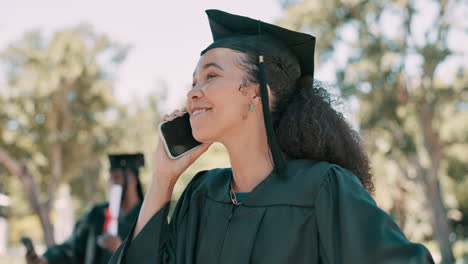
[(257, 98)]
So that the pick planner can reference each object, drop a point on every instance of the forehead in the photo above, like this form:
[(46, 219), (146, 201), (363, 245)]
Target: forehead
[(224, 57)]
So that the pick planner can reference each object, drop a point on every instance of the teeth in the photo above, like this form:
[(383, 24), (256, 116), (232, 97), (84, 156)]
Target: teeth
[(199, 111)]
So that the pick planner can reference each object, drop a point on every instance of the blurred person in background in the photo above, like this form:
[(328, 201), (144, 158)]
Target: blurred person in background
[(90, 242)]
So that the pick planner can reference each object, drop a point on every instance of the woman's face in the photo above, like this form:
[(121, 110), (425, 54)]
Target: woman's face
[(219, 101), (116, 176)]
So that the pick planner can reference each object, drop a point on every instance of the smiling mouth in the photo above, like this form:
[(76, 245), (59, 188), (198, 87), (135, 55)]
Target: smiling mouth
[(201, 111)]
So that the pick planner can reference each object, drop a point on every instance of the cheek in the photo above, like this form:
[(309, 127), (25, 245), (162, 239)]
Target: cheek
[(228, 108), (204, 126), (214, 124)]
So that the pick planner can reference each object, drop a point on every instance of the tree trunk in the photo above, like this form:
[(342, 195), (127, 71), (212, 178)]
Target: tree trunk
[(399, 203), (440, 223), (56, 172), (31, 191)]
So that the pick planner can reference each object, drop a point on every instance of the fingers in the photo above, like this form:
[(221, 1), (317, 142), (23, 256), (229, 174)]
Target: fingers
[(101, 242), (31, 257), (171, 116), (198, 151)]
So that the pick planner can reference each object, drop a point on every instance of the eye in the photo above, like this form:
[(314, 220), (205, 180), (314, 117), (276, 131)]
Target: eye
[(211, 75)]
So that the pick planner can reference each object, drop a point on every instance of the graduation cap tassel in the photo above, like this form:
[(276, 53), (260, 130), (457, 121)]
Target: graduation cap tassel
[(278, 161)]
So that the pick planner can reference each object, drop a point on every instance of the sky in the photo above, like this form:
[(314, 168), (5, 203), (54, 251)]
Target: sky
[(166, 37)]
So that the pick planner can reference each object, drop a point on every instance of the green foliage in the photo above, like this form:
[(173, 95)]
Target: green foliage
[(412, 120), (58, 110), (58, 92)]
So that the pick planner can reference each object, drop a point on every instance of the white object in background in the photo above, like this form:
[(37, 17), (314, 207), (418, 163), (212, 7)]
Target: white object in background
[(3, 235), (64, 219), (115, 196)]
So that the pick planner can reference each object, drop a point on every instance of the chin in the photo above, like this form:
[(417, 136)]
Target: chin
[(203, 135), (200, 137)]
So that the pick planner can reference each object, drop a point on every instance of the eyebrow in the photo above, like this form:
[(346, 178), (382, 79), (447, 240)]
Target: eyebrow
[(210, 64)]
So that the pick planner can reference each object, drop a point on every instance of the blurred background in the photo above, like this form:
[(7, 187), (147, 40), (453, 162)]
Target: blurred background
[(81, 79)]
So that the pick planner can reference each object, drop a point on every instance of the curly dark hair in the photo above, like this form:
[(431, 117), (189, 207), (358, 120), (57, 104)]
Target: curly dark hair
[(305, 122)]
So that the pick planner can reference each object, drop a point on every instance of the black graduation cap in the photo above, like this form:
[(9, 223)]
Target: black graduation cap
[(122, 161), (292, 51), (128, 161)]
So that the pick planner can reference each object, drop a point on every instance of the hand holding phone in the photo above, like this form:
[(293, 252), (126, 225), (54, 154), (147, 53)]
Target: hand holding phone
[(177, 136), (170, 165)]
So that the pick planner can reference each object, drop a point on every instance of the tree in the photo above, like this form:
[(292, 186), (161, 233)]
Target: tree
[(402, 108), (57, 111)]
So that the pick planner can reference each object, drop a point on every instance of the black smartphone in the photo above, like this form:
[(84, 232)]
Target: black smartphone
[(27, 243), (177, 136)]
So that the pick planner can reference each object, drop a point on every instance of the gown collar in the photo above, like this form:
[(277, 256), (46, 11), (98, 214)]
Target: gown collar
[(297, 185)]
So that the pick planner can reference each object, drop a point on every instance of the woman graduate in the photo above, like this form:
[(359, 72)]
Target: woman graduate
[(298, 190)]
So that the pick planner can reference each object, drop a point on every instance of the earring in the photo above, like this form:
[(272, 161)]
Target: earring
[(252, 108)]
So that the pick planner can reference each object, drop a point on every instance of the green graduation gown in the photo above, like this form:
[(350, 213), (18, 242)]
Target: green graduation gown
[(81, 247), (316, 212)]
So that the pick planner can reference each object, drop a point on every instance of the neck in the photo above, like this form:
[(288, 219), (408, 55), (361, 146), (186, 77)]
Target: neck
[(249, 156), (131, 200)]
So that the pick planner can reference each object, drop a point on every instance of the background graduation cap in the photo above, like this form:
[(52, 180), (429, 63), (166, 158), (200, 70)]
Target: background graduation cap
[(128, 162), (292, 51)]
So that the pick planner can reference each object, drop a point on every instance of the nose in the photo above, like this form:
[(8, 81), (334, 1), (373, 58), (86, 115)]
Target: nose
[(194, 94)]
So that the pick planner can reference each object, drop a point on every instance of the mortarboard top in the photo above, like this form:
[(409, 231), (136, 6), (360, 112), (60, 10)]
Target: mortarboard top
[(284, 46), (131, 161), (292, 51)]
